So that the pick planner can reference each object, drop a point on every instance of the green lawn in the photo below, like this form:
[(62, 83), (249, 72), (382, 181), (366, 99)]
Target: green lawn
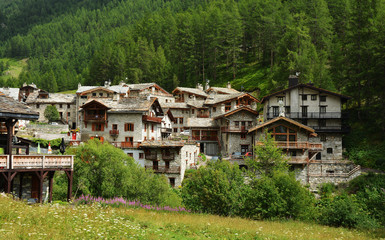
[(69, 92), (15, 68), (52, 221)]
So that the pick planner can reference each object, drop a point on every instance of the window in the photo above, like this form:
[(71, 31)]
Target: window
[(141, 155), (166, 100), (304, 111), (145, 138), (129, 139), (68, 114), (192, 111), (37, 105), (243, 135), (94, 94), (181, 120), (275, 111), (145, 127), (186, 154), (175, 130), (287, 109), (129, 127), (130, 154), (293, 153), (227, 106), (155, 165), (181, 129), (100, 94), (313, 97), (322, 137), (114, 126), (329, 150), (322, 98), (97, 127), (283, 133), (304, 97), (214, 109), (322, 109), (60, 105), (167, 164), (152, 127), (83, 97), (279, 99), (68, 106), (236, 124), (318, 157)]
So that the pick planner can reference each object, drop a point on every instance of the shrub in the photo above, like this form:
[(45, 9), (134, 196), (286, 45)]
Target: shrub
[(215, 188), (51, 114)]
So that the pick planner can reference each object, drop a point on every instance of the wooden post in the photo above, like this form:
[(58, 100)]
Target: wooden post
[(51, 174), (21, 185), (40, 176), (69, 192)]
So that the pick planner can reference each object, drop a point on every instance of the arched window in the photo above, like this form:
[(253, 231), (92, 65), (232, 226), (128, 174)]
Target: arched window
[(283, 133)]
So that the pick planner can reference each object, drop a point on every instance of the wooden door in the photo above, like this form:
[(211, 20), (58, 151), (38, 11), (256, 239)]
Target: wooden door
[(35, 187)]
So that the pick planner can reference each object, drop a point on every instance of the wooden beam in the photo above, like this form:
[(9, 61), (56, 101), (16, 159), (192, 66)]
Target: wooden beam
[(51, 174), (69, 190), (41, 181), (21, 176)]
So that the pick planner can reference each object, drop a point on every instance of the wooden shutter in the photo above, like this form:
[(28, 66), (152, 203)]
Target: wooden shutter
[(93, 127)]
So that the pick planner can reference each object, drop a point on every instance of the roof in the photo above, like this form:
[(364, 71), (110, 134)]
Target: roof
[(163, 143), (11, 92), (195, 91), (174, 105), (196, 103), (201, 122), (284, 119), (244, 108), (10, 108), (223, 90), (52, 98), (87, 89), (127, 105), (306, 86), (219, 98)]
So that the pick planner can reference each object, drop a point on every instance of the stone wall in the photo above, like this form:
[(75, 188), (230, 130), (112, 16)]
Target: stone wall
[(27, 186)]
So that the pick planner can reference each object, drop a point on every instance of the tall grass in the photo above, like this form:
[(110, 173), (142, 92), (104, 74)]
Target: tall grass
[(52, 221)]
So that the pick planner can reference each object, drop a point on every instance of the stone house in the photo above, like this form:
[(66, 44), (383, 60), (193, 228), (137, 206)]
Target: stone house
[(170, 158), (315, 107)]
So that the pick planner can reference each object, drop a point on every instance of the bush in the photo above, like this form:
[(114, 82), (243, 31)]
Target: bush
[(344, 211), (215, 188), (103, 170), (51, 114)]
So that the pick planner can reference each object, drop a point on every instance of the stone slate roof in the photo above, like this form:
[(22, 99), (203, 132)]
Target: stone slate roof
[(196, 103), (11, 92), (222, 89), (174, 105), (195, 91), (244, 108), (10, 108), (128, 105), (121, 89), (201, 123), (52, 98), (163, 143)]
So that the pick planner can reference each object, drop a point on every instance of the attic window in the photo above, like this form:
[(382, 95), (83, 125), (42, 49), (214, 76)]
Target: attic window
[(94, 94), (100, 94), (322, 98)]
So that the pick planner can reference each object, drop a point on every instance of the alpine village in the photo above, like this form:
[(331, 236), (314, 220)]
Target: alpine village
[(223, 119)]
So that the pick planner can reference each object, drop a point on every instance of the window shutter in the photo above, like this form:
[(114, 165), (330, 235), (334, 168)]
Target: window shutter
[(93, 127), (125, 127), (102, 128)]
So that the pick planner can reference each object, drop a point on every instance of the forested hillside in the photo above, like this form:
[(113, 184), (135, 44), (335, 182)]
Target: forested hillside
[(256, 44)]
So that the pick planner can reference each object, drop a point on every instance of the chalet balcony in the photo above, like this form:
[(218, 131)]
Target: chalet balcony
[(36, 162), (308, 115), (163, 169), (326, 129), (235, 129), (114, 132), (147, 118), (298, 145), (126, 144), (95, 118)]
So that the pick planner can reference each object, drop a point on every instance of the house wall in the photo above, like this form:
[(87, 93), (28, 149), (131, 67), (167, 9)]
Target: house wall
[(64, 110)]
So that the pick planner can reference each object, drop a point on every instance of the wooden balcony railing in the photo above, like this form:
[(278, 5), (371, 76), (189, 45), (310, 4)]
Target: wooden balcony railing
[(36, 161), (147, 118), (98, 118), (300, 115), (235, 129), (126, 144), (114, 132), (297, 145), (163, 169)]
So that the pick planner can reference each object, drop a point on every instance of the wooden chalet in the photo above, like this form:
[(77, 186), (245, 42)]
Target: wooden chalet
[(25, 175)]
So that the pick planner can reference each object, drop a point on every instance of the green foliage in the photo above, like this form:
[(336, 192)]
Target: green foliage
[(345, 211), (268, 158), (55, 143), (215, 188), (279, 196), (326, 190), (51, 113), (103, 170)]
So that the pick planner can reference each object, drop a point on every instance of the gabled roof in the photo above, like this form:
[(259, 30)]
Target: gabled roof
[(142, 86), (88, 89), (224, 98), (195, 91), (305, 86), (125, 105), (222, 90), (244, 108), (175, 105), (93, 102), (10, 108), (52, 98), (309, 129)]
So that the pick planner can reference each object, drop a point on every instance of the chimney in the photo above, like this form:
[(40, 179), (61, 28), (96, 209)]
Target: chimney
[(79, 85), (24, 84), (228, 85), (293, 80), (199, 86)]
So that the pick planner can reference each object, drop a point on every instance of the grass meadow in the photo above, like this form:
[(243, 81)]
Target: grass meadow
[(53, 221)]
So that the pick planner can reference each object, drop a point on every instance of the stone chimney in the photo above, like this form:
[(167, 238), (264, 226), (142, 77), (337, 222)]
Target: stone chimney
[(199, 86), (79, 85), (293, 80), (229, 85)]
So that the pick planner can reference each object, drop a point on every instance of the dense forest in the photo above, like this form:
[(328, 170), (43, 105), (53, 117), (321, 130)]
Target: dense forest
[(256, 44)]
